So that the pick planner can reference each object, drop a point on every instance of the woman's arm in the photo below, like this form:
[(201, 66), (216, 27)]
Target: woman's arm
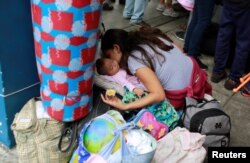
[(151, 82)]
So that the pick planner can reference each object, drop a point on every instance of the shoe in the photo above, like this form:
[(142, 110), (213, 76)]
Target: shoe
[(140, 24), (180, 35), (107, 7), (122, 2), (217, 77), (160, 7), (230, 84), (202, 65), (245, 92), (170, 12), (127, 17)]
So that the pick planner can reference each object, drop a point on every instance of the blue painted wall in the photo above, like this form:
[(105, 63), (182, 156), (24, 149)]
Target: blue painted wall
[(17, 63)]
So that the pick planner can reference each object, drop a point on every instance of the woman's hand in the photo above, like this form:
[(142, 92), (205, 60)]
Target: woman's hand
[(114, 101)]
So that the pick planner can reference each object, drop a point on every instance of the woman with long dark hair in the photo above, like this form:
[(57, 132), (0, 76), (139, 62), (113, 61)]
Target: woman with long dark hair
[(163, 69)]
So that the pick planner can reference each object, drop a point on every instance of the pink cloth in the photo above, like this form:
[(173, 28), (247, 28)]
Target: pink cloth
[(180, 146), (94, 158), (125, 80), (149, 122), (187, 4)]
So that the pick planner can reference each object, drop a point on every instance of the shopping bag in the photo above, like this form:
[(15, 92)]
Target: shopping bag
[(107, 141)]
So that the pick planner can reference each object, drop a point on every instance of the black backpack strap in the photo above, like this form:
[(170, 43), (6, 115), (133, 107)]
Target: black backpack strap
[(69, 132), (205, 101), (180, 122)]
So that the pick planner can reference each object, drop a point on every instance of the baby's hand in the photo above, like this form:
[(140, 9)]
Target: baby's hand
[(138, 91)]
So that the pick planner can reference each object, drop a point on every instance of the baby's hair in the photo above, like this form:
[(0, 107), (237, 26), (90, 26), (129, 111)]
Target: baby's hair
[(99, 66)]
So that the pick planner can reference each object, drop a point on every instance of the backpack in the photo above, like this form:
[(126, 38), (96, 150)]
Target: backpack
[(208, 118)]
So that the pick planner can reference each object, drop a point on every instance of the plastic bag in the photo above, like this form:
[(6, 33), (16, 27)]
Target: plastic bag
[(113, 146)]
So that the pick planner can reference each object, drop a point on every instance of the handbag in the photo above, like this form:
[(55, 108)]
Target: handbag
[(107, 141), (71, 130), (37, 139)]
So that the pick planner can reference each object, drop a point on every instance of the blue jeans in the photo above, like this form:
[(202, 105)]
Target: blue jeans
[(201, 18), (134, 9), (233, 20)]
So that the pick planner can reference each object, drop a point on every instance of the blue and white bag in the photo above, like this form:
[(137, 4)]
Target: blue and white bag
[(109, 141)]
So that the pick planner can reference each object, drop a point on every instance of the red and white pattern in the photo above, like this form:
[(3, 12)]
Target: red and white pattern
[(65, 39)]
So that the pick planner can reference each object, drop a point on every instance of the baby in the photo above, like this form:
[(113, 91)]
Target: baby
[(110, 70)]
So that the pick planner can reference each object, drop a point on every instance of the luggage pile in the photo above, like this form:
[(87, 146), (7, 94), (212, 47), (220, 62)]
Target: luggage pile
[(110, 138)]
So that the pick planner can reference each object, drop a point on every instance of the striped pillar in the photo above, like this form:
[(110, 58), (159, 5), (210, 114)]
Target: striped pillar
[(65, 38)]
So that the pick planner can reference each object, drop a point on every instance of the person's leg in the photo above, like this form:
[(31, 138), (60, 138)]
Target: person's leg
[(242, 50), (128, 9), (139, 8), (205, 12), (161, 5), (191, 25), (169, 4), (169, 11), (204, 16), (223, 45)]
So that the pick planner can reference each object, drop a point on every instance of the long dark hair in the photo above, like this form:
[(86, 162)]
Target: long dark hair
[(132, 41)]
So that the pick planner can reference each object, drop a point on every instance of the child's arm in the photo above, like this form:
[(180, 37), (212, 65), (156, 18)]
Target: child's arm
[(120, 78), (151, 82)]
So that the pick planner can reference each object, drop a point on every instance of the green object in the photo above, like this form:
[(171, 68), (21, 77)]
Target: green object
[(99, 133), (163, 111)]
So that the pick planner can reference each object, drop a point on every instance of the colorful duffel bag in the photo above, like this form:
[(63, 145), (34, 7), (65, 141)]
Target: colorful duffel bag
[(148, 122), (108, 138), (163, 111), (65, 39)]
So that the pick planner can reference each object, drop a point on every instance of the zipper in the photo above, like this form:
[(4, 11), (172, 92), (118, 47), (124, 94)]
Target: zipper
[(199, 118), (138, 116)]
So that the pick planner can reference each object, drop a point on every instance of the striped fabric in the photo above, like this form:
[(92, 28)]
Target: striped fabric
[(37, 139)]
